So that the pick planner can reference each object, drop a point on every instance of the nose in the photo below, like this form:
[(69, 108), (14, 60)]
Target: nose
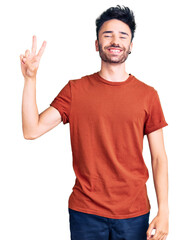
[(115, 40)]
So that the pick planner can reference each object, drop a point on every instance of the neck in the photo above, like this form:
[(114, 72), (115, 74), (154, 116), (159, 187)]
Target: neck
[(113, 72)]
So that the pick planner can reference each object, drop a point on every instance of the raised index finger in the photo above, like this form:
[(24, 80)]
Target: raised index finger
[(34, 44), (41, 50)]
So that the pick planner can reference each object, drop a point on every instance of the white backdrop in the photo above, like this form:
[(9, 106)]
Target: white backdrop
[(36, 176)]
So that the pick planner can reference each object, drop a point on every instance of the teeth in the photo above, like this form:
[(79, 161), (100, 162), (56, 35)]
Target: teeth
[(114, 50)]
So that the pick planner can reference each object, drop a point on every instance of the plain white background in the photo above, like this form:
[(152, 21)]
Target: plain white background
[(36, 177)]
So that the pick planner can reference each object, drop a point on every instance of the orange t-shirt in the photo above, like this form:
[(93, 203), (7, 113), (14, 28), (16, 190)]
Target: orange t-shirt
[(108, 121)]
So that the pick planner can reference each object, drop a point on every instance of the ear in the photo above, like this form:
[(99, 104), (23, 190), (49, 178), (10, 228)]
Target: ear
[(96, 45), (131, 46)]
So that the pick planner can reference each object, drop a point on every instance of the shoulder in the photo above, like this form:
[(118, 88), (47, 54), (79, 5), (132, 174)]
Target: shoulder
[(81, 82), (144, 87), (81, 79)]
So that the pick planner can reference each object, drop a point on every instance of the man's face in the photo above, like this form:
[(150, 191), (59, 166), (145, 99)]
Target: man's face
[(114, 41)]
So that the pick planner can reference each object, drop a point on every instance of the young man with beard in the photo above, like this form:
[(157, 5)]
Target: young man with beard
[(109, 113)]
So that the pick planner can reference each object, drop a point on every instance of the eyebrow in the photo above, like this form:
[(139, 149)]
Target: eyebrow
[(119, 32)]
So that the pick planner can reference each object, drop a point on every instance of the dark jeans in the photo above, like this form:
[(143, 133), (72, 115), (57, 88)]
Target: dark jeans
[(85, 226)]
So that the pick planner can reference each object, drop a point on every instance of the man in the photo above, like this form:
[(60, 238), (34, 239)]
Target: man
[(109, 113)]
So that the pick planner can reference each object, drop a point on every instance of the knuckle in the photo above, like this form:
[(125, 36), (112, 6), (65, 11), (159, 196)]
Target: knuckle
[(27, 52)]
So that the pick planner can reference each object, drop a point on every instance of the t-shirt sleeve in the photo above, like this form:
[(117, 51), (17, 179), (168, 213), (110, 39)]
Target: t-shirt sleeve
[(155, 117), (62, 102)]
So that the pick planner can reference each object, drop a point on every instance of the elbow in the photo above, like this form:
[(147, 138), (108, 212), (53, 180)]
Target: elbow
[(29, 136)]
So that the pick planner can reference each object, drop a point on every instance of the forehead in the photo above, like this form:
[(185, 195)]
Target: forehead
[(115, 25)]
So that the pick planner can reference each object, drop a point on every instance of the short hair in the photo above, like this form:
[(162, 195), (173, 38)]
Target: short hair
[(123, 14)]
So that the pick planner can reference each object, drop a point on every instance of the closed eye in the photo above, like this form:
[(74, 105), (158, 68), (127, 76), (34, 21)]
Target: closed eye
[(110, 36)]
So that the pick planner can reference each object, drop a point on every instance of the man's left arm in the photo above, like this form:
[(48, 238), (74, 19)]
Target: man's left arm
[(160, 177)]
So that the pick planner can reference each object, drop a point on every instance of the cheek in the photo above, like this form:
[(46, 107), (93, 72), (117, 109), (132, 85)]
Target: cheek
[(104, 43), (101, 47)]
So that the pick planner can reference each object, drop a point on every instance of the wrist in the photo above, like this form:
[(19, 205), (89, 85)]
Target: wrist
[(163, 210), (30, 78)]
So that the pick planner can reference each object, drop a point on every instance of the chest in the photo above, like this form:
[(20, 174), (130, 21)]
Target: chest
[(115, 105)]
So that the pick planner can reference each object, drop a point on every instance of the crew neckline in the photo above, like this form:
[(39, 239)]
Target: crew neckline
[(103, 80)]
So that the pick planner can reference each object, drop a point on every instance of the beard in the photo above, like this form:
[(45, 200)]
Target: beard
[(113, 59)]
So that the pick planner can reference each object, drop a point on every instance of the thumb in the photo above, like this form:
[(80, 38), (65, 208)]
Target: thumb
[(149, 231)]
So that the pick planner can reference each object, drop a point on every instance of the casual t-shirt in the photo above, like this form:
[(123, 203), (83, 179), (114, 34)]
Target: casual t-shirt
[(108, 121)]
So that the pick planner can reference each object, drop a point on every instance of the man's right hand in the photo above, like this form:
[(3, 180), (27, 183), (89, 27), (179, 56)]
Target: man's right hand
[(30, 61), (33, 123)]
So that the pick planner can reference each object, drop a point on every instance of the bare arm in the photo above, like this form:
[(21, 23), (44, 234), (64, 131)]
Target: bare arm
[(33, 123), (160, 176), (159, 168)]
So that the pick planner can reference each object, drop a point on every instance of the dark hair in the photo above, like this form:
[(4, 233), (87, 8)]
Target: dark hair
[(123, 14)]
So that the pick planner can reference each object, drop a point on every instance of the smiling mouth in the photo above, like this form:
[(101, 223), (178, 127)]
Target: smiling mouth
[(114, 50)]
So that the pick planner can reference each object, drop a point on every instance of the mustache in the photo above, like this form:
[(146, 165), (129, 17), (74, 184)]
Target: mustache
[(113, 46)]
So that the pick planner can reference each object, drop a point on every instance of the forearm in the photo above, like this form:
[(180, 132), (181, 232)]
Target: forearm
[(30, 115), (160, 176)]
